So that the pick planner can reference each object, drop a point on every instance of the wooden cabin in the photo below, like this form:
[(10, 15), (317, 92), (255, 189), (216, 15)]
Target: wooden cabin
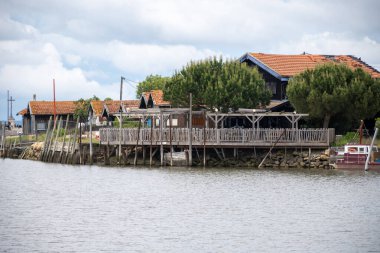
[(36, 116), (277, 69)]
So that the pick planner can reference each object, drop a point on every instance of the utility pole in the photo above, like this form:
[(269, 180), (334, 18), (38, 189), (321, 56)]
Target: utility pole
[(11, 100), (7, 107), (121, 116), (10, 119)]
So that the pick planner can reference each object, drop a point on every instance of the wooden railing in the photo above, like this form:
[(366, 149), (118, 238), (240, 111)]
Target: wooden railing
[(226, 136)]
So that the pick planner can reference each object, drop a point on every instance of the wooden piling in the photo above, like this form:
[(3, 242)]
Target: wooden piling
[(51, 136), (151, 141), (91, 150), (74, 142), (44, 147), (64, 139), (191, 130), (170, 137), (56, 139), (137, 143), (161, 137)]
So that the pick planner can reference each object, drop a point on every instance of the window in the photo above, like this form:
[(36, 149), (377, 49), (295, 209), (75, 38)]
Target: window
[(273, 87), (174, 122), (41, 126)]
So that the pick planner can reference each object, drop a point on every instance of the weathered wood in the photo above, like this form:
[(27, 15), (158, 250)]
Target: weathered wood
[(270, 150), (64, 139), (56, 139), (137, 143), (229, 137), (45, 146), (72, 151)]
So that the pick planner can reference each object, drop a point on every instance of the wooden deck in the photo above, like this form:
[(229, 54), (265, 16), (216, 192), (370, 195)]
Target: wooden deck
[(228, 137)]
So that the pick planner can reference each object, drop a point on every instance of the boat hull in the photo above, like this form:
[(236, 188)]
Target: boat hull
[(356, 166)]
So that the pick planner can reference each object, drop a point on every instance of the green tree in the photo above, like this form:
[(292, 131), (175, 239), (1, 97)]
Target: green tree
[(151, 82), (215, 83), (81, 108), (334, 90)]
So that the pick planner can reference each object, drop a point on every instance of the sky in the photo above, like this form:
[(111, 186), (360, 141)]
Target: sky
[(87, 45)]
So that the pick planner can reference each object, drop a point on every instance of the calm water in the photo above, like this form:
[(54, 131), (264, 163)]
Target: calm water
[(56, 208)]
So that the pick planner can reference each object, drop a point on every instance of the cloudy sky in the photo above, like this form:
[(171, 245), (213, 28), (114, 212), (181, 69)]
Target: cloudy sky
[(87, 45)]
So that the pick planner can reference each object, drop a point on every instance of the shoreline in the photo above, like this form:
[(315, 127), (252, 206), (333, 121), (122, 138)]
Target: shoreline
[(243, 158)]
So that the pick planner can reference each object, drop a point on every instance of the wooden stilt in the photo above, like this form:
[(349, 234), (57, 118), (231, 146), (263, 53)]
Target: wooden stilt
[(161, 139), (144, 155), (64, 139), (56, 140), (170, 137), (51, 136), (74, 142), (204, 139), (151, 141), (44, 148), (91, 148), (137, 143)]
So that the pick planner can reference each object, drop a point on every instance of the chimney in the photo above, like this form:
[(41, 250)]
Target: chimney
[(34, 97)]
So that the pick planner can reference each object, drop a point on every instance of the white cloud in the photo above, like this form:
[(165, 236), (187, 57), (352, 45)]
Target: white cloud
[(334, 43), (153, 59)]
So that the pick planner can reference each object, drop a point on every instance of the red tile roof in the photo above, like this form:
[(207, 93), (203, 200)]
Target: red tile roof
[(47, 107), (290, 65)]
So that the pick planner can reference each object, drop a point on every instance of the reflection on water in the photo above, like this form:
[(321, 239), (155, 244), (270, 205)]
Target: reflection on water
[(58, 208)]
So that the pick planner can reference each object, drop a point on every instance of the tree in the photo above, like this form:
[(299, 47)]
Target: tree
[(81, 108), (218, 84), (334, 90), (151, 82)]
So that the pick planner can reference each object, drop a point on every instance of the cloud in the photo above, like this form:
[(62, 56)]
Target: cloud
[(334, 43), (26, 79), (153, 59)]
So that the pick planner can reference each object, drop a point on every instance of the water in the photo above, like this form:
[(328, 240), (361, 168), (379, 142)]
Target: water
[(58, 208)]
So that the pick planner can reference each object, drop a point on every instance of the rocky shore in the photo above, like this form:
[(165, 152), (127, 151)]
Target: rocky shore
[(318, 159)]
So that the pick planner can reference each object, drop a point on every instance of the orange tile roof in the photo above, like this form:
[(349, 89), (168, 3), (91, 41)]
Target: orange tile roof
[(47, 107), (290, 65), (22, 112), (97, 107), (157, 96), (113, 106)]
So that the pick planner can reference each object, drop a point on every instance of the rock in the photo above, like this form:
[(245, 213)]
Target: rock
[(324, 158)]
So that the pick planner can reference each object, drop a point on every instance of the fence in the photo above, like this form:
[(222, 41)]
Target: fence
[(212, 136)]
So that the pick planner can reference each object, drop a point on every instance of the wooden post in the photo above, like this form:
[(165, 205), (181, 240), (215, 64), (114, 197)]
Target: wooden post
[(64, 139), (91, 150), (190, 130), (144, 154), (66, 155), (51, 136), (74, 142), (309, 157), (137, 143), (151, 141), (121, 117), (161, 136), (42, 154), (56, 139), (80, 142), (204, 139), (170, 137)]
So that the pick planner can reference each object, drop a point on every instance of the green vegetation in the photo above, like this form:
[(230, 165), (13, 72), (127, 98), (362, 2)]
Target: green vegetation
[(127, 123), (334, 92), (151, 82), (82, 106), (220, 84)]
